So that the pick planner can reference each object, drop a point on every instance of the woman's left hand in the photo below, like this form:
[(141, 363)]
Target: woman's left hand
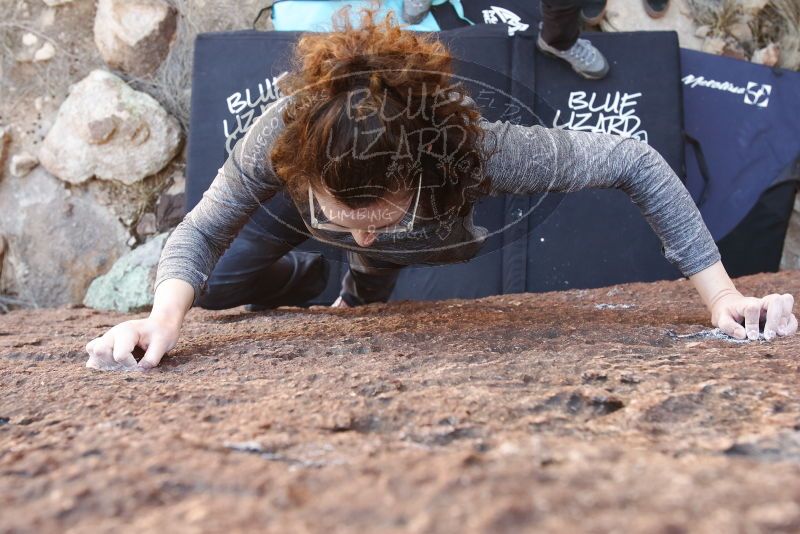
[(730, 310)]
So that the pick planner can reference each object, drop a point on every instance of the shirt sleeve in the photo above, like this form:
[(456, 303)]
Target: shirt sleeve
[(245, 180), (535, 159)]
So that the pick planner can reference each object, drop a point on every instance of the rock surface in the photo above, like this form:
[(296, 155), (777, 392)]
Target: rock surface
[(769, 55), (171, 205), (106, 129), (134, 35), (522, 413), (128, 286), (5, 139), (22, 164), (59, 240)]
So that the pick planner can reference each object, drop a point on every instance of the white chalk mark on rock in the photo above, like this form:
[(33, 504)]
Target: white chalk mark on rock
[(604, 306)]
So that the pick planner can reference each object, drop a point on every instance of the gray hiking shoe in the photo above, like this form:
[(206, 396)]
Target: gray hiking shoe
[(585, 59), (415, 10)]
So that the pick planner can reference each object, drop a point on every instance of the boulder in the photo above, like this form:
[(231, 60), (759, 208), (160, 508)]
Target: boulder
[(29, 39), (171, 205), (134, 35), (106, 129), (45, 53), (59, 239), (146, 225), (128, 286), (770, 55), (22, 164), (714, 45), (741, 32)]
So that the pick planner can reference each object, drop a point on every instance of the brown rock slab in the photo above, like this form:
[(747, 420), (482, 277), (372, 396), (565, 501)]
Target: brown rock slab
[(520, 413)]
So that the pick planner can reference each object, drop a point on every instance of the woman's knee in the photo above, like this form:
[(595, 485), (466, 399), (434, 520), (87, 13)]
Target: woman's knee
[(223, 296)]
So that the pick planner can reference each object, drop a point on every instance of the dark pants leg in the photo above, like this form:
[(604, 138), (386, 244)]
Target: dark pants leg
[(561, 22), (260, 266), (368, 280)]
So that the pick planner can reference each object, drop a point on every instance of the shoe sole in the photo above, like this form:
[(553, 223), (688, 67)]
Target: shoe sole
[(653, 14), (594, 21), (599, 76)]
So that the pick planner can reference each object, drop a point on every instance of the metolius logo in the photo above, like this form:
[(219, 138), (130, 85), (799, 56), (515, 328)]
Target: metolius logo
[(500, 15), (757, 94)]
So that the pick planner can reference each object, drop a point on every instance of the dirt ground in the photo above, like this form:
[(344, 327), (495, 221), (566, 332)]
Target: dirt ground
[(576, 411)]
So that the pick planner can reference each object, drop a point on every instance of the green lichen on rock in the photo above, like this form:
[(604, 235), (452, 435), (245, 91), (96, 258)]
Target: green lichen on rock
[(128, 286)]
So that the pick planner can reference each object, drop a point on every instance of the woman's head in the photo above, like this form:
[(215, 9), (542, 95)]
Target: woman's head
[(375, 116)]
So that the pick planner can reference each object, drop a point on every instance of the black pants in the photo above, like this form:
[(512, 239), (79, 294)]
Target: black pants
[(561, 21), (246, 272)]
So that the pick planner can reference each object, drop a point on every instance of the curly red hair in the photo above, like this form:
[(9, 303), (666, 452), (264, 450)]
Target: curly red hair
[(375, 108)]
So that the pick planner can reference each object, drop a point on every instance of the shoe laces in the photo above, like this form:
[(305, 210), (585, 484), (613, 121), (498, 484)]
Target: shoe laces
[(582, 50)]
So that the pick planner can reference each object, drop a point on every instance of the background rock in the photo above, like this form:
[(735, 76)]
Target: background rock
[(134, 35), (5, 139), (128, 286), (171, 205), (45, 53), (31, 93), (146, 225), (3, 249), (770, 55), (108, 130), (713, 45), (22, 164), (59, 240)]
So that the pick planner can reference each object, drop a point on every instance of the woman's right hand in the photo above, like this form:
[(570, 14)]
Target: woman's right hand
[(113, 351)]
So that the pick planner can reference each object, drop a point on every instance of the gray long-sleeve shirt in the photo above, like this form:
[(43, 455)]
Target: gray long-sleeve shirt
[(530, 159)]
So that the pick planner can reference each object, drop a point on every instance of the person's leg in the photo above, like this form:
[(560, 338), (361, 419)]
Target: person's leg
[(559, 38), (561, 23), (260, 268), (368, 280)]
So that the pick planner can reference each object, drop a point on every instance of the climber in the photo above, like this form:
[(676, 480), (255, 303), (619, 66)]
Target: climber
[(376, 149)]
